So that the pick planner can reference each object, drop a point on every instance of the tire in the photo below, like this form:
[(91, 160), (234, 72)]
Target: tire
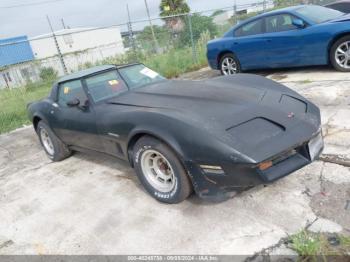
[(229, 64), (57, 150), (336, 56), (173, 185)]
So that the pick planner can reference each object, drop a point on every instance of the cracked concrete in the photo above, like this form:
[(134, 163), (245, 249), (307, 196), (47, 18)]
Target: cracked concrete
[(95, 204)]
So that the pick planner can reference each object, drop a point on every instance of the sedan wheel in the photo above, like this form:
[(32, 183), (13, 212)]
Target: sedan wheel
[(229, 65), (342, 55)]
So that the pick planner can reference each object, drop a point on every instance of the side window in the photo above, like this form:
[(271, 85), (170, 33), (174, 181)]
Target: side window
[(279, 23), (252, 28), (70, 90), (105, 85), (343, 7)]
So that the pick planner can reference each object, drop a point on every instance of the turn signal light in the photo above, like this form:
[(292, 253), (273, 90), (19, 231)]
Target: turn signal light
[(265, 165)]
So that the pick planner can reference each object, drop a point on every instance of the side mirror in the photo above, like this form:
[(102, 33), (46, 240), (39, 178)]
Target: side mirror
[(299, 23), (73, 103)]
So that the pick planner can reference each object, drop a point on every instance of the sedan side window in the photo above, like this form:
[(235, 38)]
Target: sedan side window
[(252, 28), (279, 23), (69, 91), (342, 7)]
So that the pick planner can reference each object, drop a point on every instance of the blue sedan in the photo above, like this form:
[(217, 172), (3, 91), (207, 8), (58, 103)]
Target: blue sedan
[(296, 36)]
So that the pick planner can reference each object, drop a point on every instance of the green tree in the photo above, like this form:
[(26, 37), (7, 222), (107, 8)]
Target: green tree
[(145, 38), (200, 24)]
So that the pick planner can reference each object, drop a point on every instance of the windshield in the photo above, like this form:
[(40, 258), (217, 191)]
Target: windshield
[(138, 75), (318, 14)]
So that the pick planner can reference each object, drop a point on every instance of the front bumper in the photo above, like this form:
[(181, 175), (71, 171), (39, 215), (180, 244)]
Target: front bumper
[(239, 177)]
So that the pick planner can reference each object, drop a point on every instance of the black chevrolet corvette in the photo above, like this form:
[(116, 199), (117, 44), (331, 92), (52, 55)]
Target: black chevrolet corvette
[(216, 137)]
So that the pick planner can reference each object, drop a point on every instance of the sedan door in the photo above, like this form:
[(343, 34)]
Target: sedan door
[(75, 125), (284, 41), (249, 45)]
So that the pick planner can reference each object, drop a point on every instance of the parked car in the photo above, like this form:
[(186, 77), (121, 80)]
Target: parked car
[(342, 6), (215, 136), (296, 36)]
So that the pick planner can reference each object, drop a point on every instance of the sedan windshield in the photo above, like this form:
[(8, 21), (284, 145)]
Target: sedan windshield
[(138, 75), (318, 14)]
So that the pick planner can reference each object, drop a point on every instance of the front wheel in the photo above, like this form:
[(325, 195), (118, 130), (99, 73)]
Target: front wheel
[(340, 54), (160, 171), (229, 64)]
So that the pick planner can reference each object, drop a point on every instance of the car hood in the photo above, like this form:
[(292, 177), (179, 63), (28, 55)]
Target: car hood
[(243, 110)]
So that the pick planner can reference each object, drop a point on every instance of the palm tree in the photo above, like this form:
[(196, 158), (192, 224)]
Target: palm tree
[(173, 8)]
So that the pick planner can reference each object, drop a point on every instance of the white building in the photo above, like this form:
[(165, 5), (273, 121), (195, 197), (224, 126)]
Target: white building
[(79, 47), (222, 19), (78, 40)]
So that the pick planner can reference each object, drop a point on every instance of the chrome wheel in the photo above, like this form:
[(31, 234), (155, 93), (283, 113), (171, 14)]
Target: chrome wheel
[(47, 142), (342, 55), (158, 171), (229, 66)]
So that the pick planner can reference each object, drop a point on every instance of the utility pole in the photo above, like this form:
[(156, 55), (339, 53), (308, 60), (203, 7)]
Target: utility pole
[(131, 34), (264, 5), (57, 46), (151, 25)]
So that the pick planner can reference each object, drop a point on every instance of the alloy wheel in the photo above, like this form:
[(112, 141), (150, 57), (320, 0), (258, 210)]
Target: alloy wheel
[(342, 55), (229, 66)]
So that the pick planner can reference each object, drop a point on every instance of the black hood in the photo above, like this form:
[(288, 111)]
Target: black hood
[(226, 106), (226, 100)]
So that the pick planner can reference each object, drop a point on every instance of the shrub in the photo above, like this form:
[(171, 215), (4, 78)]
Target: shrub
[(48, 73)]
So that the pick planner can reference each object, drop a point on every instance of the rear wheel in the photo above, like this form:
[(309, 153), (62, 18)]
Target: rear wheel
[(55, 149), (160, 171), (340, 54), (229, 64)]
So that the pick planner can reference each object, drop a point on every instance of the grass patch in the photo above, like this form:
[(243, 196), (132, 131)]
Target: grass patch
[(13, 102), (311, 245)]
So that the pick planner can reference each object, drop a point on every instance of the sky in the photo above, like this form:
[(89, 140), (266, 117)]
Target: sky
[(28, 17)]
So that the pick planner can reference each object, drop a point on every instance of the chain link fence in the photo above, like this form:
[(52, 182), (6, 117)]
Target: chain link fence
[(170, 45)]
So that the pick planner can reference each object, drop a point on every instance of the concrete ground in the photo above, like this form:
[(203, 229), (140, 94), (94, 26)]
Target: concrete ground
[(95, 204)]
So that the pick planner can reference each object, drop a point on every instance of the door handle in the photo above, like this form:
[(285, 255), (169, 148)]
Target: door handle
[(269, 40)]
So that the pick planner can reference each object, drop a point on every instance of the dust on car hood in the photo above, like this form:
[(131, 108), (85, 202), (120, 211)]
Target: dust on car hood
[(235, 109)]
